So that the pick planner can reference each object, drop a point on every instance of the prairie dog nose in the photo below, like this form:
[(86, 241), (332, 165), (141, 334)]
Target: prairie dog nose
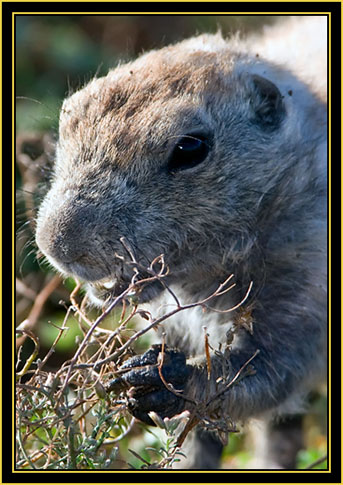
[(58, 242), (65, 234)]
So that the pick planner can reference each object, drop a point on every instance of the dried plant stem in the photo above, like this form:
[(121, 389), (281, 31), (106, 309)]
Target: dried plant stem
[(31, 320), (33, 356), (233, 380), (317, 462)]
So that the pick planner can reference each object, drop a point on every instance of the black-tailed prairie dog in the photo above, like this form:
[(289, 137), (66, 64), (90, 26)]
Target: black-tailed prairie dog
[(213, 153)]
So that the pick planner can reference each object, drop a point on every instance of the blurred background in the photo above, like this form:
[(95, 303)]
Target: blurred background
[(56, 54)]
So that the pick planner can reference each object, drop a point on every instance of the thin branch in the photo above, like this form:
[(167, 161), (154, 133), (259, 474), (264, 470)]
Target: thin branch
[(233, 380), (317, 462), (31, 320)]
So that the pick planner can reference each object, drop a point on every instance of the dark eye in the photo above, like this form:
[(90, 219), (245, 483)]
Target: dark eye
[(189, 151)]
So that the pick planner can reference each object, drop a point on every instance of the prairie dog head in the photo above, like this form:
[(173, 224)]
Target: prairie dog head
[(174, 152)]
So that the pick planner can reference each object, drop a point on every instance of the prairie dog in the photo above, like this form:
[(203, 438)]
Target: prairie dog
[(214, 155)]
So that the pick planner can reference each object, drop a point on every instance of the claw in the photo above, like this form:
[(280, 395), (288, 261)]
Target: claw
[(140, 378), (117, 385)]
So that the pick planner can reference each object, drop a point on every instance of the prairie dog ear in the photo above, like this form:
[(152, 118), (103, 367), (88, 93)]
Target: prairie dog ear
[(267, 103)]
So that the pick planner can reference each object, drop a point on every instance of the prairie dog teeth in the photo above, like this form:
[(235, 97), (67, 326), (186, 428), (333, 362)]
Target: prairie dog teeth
[(109, 285)]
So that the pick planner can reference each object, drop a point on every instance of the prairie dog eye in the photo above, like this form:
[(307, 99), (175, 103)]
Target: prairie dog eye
[(189, 151)]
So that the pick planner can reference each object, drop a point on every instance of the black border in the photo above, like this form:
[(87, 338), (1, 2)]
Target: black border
[(313, 476), (94, 7)]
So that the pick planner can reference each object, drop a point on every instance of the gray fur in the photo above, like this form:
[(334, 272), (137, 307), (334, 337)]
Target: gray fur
[(255, 207)]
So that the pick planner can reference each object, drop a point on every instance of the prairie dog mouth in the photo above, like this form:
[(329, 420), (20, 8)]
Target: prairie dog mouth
[(108, 285), (114, 286), (107, 289)]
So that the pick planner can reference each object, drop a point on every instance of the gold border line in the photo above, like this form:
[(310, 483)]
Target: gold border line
[(329, 441), (175, 1), (168, 13), (1, 234), (328, 14)]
